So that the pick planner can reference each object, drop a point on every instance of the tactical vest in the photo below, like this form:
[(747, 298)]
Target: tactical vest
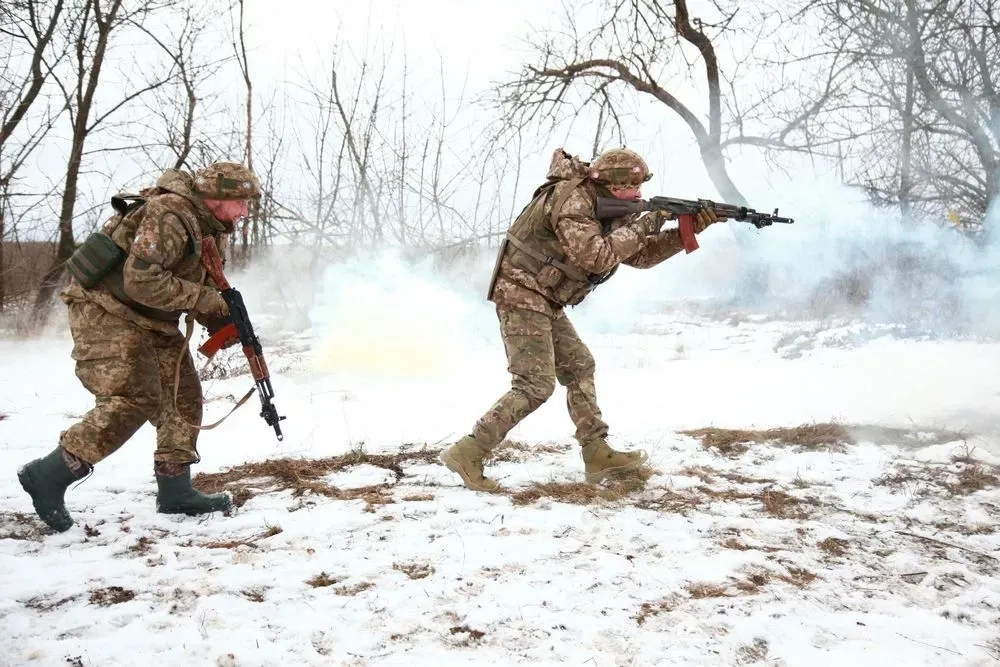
[(532, 246), (99, 261)]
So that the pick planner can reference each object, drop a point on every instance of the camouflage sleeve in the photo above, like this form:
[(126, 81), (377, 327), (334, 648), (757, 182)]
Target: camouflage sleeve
[(580, 236), (161, 242), (660, 247)]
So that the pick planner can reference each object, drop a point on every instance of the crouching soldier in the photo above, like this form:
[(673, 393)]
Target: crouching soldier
[(130, 283)]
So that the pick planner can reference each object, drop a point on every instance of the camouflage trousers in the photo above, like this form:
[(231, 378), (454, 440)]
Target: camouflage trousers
[(130, 372), (540, 351)]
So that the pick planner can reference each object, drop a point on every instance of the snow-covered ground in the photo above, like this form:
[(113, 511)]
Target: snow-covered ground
[(879, 552)]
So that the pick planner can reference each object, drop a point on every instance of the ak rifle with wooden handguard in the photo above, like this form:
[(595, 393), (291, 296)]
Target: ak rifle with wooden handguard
[(239, 329), (684, 210)]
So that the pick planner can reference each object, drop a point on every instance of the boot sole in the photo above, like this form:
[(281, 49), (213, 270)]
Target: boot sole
[(456, 468), (596, 477)]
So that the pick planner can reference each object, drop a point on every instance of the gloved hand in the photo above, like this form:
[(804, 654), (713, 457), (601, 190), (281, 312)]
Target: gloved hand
[(211, 303), (704, 217)]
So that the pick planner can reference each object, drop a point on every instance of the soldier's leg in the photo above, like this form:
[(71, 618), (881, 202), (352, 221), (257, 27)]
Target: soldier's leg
[(115, 365), (575, 370), (527, 338), (176, 437)]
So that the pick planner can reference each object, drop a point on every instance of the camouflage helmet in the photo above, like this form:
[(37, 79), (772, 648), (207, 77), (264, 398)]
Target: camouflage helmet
[(620, 166), (226, 180)]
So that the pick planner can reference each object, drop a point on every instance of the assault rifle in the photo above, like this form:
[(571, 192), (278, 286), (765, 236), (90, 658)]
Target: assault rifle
[(684, 211), (239, 329)]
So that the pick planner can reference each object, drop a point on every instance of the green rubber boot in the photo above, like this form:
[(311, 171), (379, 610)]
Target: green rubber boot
[(175, 495), (46, 480)]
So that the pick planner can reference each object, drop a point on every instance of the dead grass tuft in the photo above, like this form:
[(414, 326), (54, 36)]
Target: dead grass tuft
[(353, 589), (414, 570), (797, 576), (517, 450), (21, 526), (782, 505), (105, 597), (669, 501), (471, 635), (612, 490), (812, 437), (834, 546), (961, 478), (650, 609), (141, 547), (418, 497), (42, 603), (247, 542), (752, 653), (700, 590), (302, 476), (323, 579), (253, 594)]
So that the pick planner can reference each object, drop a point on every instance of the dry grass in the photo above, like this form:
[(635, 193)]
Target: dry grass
[(834, 546), (247, 542), (752, 653), (700, 590), (613, 490), (471, 637), (354, 589), (962, 477), (735, 544), (253, 594), (414, 570), (418, 497), (105, 597), (517, 450), (22, 526), (797, 576), (42, 603), (323, 579), (301, 476), (669, 501), (650, 609), (812, 437), (782, 505), (141, 547)]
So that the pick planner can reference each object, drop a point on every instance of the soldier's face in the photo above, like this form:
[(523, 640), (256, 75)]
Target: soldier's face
[(626, 192), (228, 211)]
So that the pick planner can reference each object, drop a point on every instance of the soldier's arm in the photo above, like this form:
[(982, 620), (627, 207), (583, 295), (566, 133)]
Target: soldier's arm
[(161, 242), (580, 236), (658, 248)]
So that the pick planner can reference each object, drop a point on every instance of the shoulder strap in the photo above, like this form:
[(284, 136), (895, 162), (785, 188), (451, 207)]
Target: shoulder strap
[(561, 199)]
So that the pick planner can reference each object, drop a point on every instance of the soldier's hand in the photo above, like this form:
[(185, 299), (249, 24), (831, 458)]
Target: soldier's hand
[(703, 218), (211, 303)]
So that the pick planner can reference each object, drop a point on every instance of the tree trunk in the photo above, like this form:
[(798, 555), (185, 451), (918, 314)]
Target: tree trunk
[(715, 164), (906, 146)]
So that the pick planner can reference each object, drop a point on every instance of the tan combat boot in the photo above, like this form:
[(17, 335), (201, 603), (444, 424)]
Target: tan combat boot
[(465, 457), (600, 460)]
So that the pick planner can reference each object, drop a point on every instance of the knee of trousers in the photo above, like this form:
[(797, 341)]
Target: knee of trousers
[(537, 389)]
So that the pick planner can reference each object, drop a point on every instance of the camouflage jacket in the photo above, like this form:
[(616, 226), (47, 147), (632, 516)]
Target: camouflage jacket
[(161, 275), (555, 258)]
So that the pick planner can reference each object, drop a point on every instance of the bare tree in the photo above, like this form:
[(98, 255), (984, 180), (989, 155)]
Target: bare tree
[(926, 71), (650, 49), (90, 33), (29, 27)]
